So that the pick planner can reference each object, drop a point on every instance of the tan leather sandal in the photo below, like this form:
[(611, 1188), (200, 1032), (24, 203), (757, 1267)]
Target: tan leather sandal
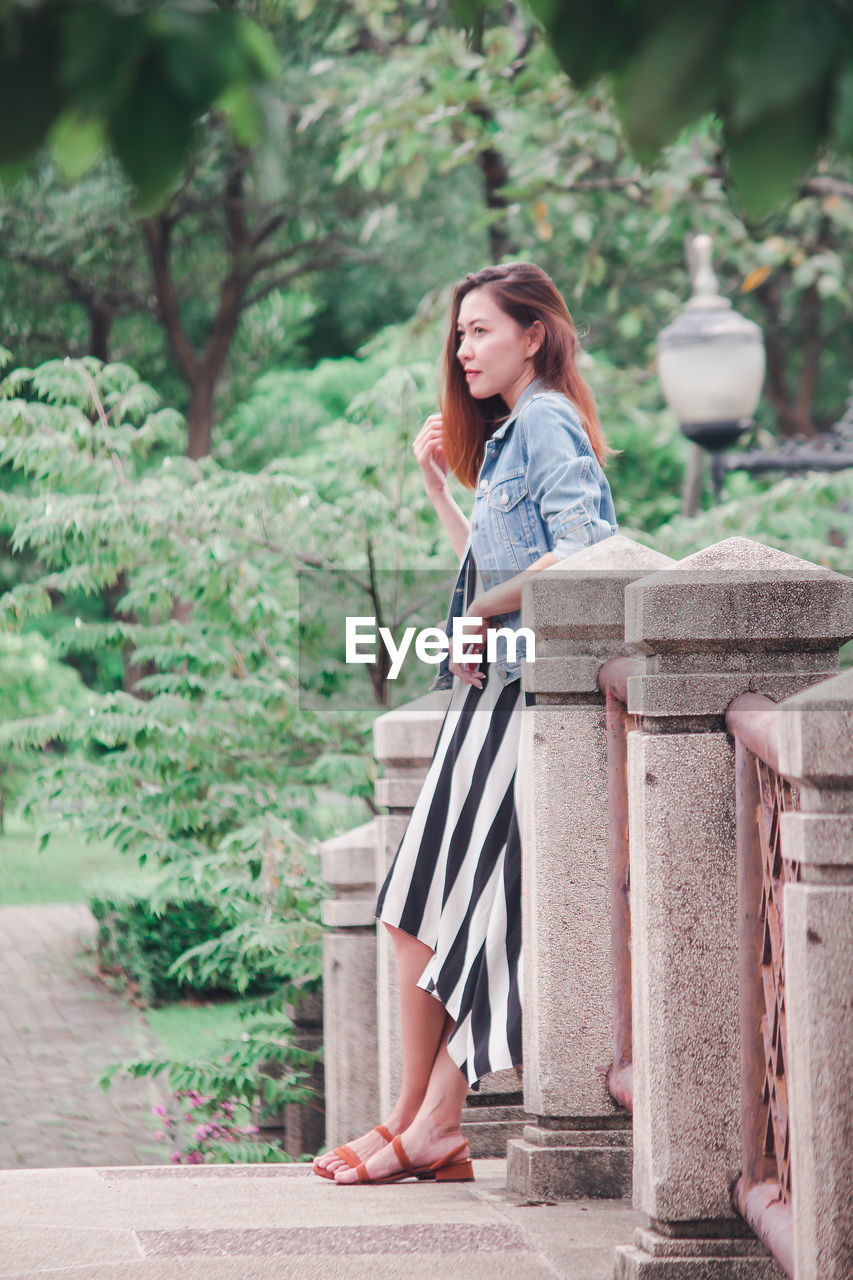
[(447, 1169), (348, 1155)]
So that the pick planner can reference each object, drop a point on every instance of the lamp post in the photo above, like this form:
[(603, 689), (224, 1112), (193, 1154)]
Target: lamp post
[(711, 365)]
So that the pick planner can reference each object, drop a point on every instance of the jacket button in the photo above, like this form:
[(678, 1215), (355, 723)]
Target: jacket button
[(483, 484), (504, 499)]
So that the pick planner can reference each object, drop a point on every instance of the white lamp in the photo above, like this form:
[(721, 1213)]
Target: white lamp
[(711, 361)]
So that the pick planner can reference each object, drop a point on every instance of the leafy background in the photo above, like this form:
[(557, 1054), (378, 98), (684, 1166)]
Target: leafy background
[(219, 352)]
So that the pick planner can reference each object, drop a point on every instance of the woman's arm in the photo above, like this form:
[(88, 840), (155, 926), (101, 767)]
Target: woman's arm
[(506, 596), (453, 518), (429, 451)]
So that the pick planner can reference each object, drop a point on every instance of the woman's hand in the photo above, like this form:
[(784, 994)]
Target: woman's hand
[(429, 451), (469, 672)]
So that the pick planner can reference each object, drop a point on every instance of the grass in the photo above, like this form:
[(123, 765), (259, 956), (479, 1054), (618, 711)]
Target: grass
[(61, 872), (187, 1030)]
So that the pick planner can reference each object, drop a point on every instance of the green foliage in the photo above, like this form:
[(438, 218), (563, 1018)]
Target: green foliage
[(143, 944), (612, 236), (776, 72), (137, 78), (32, 683), (213, 1094), (810, 516)]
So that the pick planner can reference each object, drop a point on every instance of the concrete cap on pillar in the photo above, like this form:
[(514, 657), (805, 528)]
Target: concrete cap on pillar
[(576, 609), (739, 595), (347, 860), (583, 596), (816, 734)]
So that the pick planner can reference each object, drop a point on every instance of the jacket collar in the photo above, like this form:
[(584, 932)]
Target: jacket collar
[(532, 388)]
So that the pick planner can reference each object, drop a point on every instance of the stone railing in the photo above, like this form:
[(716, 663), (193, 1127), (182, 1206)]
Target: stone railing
[(650, 978)]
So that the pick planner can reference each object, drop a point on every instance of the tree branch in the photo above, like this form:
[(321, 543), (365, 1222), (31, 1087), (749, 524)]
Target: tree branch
[(268, 260), (157, 233)]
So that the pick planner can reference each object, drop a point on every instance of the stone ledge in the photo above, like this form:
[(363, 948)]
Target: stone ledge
[(540, 1137), (568, 1173), (818, 839), (657, 1257), (352, 913), (694, 694)]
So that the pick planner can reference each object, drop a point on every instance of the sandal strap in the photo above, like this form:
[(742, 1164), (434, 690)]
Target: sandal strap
[(450, 1158), (400, 1153), (383, 1132), (348, 1156)]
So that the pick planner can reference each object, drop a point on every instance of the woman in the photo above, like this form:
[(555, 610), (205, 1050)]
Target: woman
[(519, 426)]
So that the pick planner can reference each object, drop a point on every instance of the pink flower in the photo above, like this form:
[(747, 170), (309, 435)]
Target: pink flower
[(159, 1135), (195, 1157), (175, 1158), (159, 1110)]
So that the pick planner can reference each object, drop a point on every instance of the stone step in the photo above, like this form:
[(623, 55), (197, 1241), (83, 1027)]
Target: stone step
[(503, 1111), (489, 1138)]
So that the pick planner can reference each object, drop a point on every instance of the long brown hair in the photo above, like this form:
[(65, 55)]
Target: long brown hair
[(526, 294)]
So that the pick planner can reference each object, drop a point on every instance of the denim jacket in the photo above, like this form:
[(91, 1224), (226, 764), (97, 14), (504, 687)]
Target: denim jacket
[(540, 488)]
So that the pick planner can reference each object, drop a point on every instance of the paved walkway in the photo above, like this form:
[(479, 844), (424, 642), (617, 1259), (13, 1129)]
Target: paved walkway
[(62, 1216), (58, 1030), (281, 1222)]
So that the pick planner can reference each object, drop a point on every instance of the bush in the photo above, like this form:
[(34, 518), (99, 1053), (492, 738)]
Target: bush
[(144, 943)]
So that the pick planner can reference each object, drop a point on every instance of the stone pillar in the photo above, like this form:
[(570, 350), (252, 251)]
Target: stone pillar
[(816, 747), (736, 617), (349, 984), (579, 1143)]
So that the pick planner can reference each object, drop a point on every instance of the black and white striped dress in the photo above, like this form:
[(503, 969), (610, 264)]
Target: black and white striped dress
[(455, 882)]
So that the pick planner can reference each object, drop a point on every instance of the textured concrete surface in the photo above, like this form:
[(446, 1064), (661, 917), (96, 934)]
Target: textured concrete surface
[(658, 1257), (819, 996), (224, 1222), (350, 1037), (576, 609), (58, 1031), (351, 1048), (571, 1170), (684, 934), (738, 592), (816, 746), (566, 912), (816, 736)]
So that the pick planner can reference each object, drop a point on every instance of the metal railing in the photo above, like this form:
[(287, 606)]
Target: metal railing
[(613, 682), (762, 1194)]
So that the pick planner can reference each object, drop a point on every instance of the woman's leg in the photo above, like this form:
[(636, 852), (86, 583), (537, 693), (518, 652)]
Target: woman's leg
[(437, 1127), (422, 1020)]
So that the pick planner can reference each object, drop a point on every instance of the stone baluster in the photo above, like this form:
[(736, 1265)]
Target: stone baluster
[(816, 748), (350, 1046), (578, 1143), (735, 617)]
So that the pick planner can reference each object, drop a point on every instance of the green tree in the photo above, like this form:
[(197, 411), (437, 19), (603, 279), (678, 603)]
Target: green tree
[(138, 78), (611, 233), (32, 683), (777, 73)]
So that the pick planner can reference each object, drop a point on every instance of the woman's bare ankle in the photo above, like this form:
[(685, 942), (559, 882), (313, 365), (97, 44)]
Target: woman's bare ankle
[(402, 1116)]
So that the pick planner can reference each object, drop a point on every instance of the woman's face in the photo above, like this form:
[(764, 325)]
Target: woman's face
[(494, 351)]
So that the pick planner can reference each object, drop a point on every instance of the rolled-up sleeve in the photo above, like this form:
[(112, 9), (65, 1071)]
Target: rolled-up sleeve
[(564, 478)]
